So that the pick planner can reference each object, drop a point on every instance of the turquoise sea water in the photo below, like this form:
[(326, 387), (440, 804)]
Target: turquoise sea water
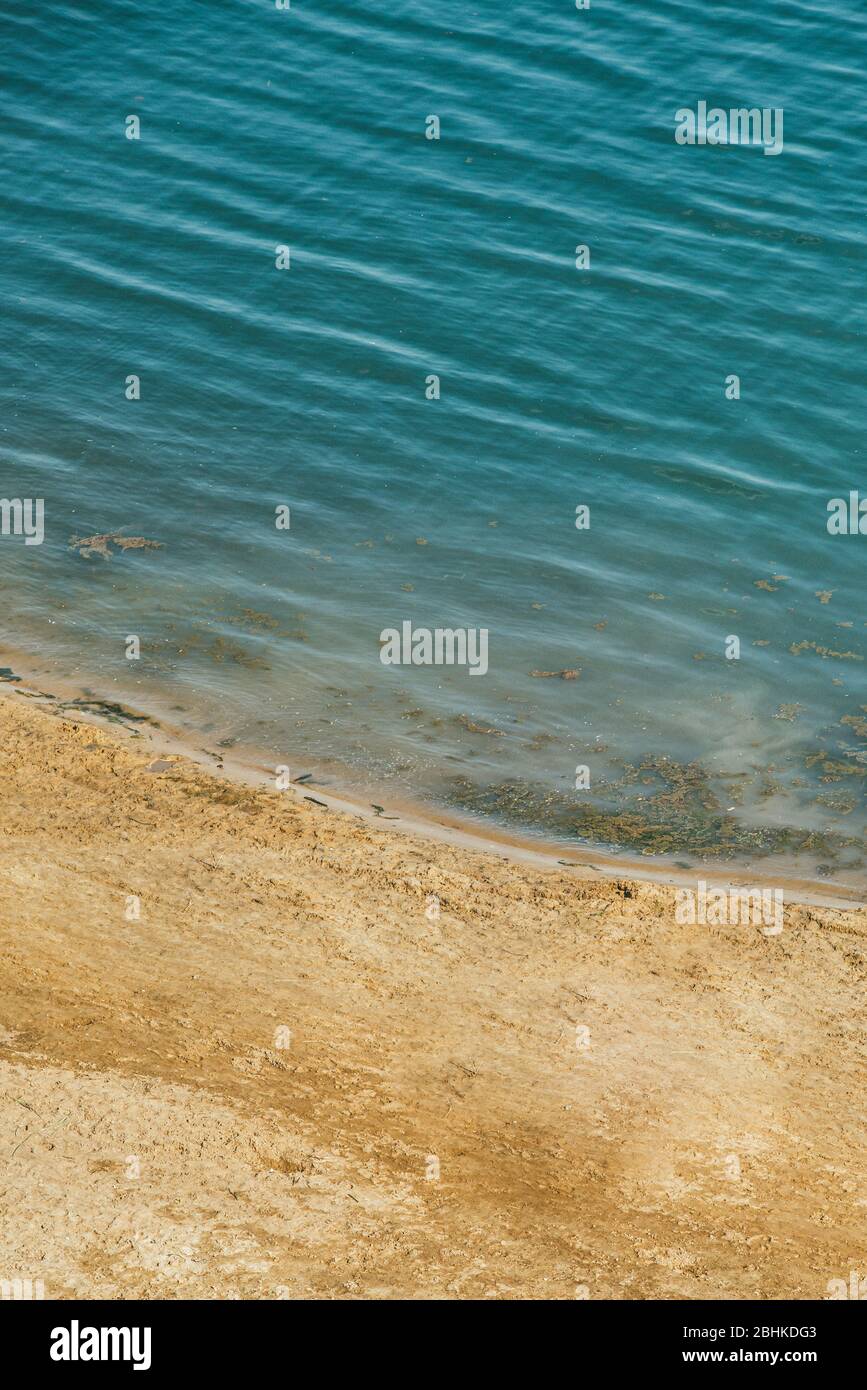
[(559, 387)]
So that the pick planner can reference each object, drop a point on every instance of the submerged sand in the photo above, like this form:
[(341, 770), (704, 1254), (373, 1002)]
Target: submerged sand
[(289, 1077)]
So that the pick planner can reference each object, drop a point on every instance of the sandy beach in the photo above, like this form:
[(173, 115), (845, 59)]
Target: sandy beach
[(252, 1047)]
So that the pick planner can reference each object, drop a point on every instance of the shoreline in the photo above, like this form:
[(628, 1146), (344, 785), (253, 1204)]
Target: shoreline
[(246, 765)]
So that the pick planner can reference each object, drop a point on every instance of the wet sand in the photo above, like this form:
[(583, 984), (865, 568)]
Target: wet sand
[(252, 1046)]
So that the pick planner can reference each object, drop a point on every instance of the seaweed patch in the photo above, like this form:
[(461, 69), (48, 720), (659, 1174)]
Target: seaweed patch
[(102, 544)]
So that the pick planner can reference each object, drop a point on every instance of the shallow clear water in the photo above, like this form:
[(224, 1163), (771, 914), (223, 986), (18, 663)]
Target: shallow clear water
[(559, 387)]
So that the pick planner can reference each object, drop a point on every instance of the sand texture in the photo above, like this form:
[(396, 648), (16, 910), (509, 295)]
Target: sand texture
[(289, 1078)]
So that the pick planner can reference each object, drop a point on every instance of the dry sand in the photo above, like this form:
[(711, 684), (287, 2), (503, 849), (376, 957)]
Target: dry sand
[(284, 1080)]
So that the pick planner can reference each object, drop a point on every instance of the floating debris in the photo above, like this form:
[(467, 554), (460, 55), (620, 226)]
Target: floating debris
[(473, 728), (833, 770), (101, 545), (570, 675), (797, 647), (856, 722)]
